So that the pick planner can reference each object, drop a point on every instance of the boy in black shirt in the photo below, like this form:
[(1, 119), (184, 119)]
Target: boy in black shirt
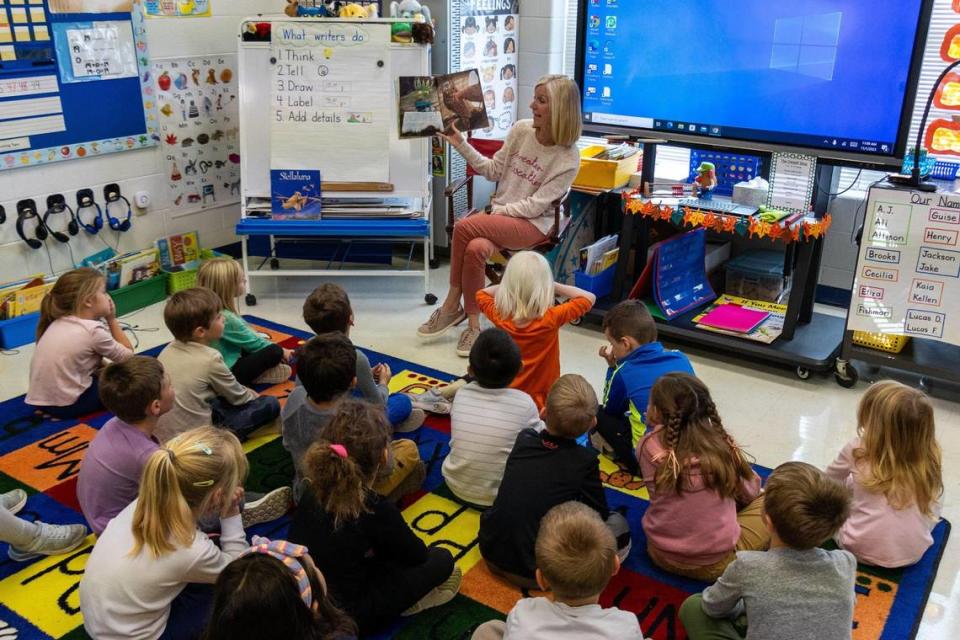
[(546, 469)]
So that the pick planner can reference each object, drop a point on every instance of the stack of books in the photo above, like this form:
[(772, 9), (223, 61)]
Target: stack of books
[(600, 255), (755, 320)]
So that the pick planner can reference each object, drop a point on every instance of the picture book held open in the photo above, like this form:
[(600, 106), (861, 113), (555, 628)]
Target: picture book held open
[(438, 104)]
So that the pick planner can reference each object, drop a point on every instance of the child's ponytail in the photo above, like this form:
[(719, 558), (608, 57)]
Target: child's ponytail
[(66, 296), (179, 483), (342, 466)]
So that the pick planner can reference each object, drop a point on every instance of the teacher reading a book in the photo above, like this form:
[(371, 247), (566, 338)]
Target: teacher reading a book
[(535, 166)]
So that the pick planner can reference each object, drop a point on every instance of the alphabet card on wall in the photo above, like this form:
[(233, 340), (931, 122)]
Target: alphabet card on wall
[(199, 126), (908, 273)]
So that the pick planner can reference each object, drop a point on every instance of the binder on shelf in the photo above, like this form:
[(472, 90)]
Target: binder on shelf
[(675, 277)]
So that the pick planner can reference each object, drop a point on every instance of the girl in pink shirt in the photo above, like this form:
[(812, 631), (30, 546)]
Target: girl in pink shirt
[(72, 342), (705, 499), (893, 469)]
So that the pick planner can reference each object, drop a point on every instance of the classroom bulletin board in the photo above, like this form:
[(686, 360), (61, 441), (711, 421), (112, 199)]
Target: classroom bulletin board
[(75, 80)]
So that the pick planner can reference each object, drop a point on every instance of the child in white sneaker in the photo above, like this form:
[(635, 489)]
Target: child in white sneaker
[(251, 358), (576, 557), (30, 540)]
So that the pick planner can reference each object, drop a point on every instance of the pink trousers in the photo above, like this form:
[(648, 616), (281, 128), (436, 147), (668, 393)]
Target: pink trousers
[(475, 239)]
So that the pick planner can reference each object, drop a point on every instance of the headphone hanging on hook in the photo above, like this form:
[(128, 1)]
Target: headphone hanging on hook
[(85, 201), (111, 194), (57, 204), (27, 209)]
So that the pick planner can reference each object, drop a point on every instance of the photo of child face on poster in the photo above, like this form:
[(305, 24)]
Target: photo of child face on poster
[(470, 26), (490, 49), (509, 24), (508, 96), (490, 100), (508, 72), (509, 46), (469, 50), (491, 23)]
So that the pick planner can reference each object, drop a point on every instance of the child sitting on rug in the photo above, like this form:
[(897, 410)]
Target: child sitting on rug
[(206, 391), (523, 305), (326, 366), (576, 557), (375, 566), (137, 392), (893, 469), (794, 590), (544, 469), (705, 499), (486, 418), (327, 309), (72, 342), (634, 362), (151, 572), (274, 590), (251, 358)]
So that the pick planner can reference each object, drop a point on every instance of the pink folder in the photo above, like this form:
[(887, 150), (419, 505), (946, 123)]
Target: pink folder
[(732, 317)]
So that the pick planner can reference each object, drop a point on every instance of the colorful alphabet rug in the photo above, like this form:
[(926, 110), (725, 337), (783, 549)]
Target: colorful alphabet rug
[(39, 598)]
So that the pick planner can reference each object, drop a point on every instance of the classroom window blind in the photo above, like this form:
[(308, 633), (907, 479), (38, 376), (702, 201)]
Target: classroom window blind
[(670, 160)]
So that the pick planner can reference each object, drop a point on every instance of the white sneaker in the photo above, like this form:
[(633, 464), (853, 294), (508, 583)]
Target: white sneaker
[(268, 508), (412, 423), (53, 540), (439, 595), (275, 375), (430, 401), (13, 501)]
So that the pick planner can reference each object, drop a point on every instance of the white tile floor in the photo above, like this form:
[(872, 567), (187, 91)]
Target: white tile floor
[(775, 415)]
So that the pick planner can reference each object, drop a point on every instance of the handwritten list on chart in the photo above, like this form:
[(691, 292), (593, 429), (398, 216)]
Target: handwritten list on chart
[(332, 100), (908, 275)]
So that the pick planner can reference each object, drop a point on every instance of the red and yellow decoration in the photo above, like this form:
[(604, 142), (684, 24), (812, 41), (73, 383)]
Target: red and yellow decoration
[(721, 223), (950, 47), (948, 93), (943, 137)]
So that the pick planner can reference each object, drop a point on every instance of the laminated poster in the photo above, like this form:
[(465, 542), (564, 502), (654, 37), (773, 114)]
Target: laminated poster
[(177, 8), (488, 42), (199, 130)]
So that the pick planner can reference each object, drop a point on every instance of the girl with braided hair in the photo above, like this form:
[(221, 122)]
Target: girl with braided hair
[(705, 499)]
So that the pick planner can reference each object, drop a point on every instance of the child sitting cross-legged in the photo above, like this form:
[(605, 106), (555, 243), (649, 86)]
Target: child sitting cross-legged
[(251, 358), (544, 469), (635, 359), (576, 557), (328, 309), (206, 390), (794, 590), (893, 467), (151, 572), (326, 367), (486, 418), (375, 566), (705, 499), (72, 342), (274, 590), (137, 392)]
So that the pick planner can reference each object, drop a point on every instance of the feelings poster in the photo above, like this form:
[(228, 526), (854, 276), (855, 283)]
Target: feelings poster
[(488, 42), (199, 127)]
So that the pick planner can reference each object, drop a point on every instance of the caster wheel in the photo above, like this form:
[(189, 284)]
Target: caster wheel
[(274, 264), (577, 322), (430, 299), (434, 263), (848, 381), (803, 373), (251, 300)]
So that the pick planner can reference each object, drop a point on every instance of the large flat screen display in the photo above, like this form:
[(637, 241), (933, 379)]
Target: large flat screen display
[(835, 77)]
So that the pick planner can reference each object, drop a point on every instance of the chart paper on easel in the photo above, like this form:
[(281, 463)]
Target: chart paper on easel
[(332, 97)]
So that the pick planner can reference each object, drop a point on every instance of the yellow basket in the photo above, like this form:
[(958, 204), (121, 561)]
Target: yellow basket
[(180, 280), (888, 342)]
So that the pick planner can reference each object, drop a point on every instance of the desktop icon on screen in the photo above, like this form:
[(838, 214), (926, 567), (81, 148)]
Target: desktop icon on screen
[(592, 68), (608, 47), (591, 92), (594, 3), (611, 22), (593, 46), (669, 125), (608, 69), (606, 92), (594, 22)]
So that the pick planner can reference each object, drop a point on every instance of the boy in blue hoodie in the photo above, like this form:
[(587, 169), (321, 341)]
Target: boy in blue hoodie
[(635, 360)]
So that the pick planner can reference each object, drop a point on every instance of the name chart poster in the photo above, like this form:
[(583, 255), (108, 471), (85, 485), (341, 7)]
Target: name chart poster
[(199, 129), (332, 100), (489, 35), (908, 273)]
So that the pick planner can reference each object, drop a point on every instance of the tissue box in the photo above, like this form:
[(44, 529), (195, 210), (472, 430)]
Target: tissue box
[(752, 193)]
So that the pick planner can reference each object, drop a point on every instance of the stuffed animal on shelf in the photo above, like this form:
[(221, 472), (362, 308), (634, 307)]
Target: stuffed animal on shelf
[(410, 10), (295, 9), (257, 32), (357, 10)]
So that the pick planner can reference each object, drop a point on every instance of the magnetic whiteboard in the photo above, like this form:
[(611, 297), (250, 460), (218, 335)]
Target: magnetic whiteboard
[(409, 160), (908, 272)]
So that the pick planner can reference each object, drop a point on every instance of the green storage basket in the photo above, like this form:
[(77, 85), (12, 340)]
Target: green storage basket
[(140, 295), (186, 279)]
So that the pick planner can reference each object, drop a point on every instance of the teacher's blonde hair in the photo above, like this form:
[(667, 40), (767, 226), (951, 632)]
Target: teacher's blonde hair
[(565, 119), (526, 290)]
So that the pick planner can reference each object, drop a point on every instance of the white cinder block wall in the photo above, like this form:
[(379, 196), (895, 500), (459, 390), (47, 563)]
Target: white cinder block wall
[(542, 33), (141, 170)]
